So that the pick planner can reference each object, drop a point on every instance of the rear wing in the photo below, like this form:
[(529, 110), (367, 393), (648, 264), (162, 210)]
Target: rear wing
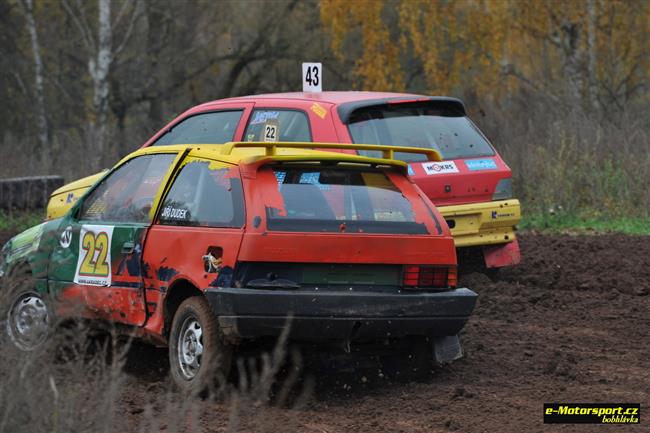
[(388, 152)]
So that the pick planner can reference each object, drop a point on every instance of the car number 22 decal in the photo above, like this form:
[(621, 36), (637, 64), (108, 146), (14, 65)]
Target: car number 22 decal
[(94, 262)]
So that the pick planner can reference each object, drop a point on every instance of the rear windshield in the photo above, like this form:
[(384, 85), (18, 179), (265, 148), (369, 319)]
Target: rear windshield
[(339, 200), (418, 125)]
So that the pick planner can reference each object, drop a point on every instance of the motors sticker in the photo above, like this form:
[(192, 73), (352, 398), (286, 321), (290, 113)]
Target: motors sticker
[(440, 167), (481, 164), (94, 262)]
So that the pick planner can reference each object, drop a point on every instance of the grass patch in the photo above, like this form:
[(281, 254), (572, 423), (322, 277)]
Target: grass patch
[(581, 223), (17, 221)]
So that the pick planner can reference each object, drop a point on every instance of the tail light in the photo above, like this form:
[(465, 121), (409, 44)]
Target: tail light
[(437, 277)]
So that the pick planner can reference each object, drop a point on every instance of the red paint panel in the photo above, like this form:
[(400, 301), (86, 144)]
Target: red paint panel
[(341, 248), (463, 187), (498, 256), (176, 253), (118, 304)]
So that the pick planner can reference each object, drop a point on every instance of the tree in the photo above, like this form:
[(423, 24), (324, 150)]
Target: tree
[(39, 90), (576, 53), (102, 51)]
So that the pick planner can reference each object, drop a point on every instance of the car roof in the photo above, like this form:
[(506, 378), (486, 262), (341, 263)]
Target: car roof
[(345, 101), (330, 97)]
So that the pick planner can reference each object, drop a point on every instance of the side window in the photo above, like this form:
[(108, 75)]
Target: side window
[(205, 193), (127, 194), (278, 125), (217, 127)]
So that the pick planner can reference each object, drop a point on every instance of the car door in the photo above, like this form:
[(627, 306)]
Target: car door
[(197, 233), (96, 269)]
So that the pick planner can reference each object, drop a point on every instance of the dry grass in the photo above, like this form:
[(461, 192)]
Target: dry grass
[(572, 161), (80, 381)]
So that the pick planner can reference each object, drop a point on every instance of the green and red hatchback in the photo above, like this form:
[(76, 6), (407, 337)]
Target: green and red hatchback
[(201, 247)]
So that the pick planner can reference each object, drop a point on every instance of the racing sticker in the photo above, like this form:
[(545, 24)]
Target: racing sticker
[(319, 110), (440, 167), (264, 116), (481, 164), (94, 263), (271, 131), (170, 212), (66, 237)]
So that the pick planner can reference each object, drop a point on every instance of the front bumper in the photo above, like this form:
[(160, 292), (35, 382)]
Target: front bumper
[(335, 315), (486, 223)]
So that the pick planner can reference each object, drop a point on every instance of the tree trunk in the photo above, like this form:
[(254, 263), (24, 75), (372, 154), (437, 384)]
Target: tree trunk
[(99, 68), (591, 46), (39, 89)]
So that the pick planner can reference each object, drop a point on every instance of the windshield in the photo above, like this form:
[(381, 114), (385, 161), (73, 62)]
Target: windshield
[(419, 125), (338, 200)]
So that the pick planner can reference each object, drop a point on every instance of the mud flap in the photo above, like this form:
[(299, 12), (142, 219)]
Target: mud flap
[(498, 256), (446, 349)]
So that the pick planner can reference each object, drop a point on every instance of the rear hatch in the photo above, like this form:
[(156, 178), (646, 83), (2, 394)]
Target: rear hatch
[(471, 172), (341, 225)]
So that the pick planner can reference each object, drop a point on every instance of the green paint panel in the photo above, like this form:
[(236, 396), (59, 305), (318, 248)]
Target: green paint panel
[(352, 274)]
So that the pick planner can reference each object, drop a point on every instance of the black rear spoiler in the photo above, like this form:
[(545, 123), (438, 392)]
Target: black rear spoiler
[(346, 109)]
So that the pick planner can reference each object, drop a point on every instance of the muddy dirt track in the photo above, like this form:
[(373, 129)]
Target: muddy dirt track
[(570, 324)]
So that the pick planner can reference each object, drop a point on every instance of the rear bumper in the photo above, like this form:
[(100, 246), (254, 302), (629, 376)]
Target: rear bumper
[(486, 223), (355, 316)]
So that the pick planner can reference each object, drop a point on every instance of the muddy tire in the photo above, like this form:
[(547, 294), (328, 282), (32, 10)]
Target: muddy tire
[(199, 358), (26, 316)]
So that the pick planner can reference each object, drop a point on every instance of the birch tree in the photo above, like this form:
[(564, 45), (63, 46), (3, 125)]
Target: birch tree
[(102, 52), (39, 88)]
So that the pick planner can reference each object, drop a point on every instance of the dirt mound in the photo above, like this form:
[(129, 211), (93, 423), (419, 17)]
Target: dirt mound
[(605, 263)]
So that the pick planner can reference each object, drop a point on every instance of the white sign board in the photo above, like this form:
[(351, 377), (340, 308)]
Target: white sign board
[(270, 132), (94, 262), (312, 77)]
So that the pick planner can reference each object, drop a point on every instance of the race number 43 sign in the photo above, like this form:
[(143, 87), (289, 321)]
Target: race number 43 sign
[(312, 77)]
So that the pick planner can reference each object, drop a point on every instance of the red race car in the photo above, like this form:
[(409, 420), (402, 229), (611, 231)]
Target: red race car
[(471, 188)]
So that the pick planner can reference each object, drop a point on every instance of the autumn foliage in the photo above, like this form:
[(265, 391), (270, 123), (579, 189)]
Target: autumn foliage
[(561, 87), (567, 50)]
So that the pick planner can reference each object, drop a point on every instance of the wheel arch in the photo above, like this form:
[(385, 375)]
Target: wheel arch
[(21, 267), (178, 291)]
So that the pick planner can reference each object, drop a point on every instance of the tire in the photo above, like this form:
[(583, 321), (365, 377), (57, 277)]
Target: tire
[(195, 329), (26, 315)]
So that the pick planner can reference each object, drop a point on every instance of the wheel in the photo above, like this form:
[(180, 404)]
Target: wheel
[(199, 358), (27, 314)]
